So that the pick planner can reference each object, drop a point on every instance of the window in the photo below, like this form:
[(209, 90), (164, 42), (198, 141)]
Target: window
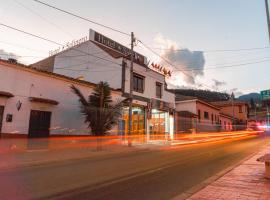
[(138, 83), (199, 115), (158, 89), (206, 115), (240, 109), (212, 118)]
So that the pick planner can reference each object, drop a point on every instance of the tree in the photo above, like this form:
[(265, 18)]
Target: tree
[(101, 114), (252, 104)]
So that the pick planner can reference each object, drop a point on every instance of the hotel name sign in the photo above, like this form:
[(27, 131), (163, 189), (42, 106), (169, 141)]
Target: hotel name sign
[(68, 46), (99, 38)]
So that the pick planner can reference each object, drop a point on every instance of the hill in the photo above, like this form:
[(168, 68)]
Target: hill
[(205, 95), (255, 96)]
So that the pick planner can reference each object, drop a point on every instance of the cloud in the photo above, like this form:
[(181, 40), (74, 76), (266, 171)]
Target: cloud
[(183, 59), (6, 55), (218, 84)]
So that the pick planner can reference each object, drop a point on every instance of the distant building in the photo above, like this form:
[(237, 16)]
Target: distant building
[(237, 109), (195, 115)]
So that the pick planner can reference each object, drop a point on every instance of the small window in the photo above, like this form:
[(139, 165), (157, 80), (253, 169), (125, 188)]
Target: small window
[(212, 118), (206, 115), (240, 109), (158, 89), (138, 83), (199, 115)]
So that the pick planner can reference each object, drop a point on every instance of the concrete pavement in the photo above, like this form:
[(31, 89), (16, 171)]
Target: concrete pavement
[(245, 182)]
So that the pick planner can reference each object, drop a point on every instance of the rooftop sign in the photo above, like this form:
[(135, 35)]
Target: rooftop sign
[(68, 45), (101, 39)]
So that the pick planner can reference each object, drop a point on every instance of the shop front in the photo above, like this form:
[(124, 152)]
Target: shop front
[(154, 121), (138, 120), (160, 120)]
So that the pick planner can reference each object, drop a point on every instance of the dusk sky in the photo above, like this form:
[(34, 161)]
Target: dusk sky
[(205, 25)]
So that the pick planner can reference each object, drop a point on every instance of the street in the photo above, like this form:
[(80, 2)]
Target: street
[(149, 174)]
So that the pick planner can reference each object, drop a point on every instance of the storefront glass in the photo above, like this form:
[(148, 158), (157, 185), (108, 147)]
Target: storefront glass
[(138, 120), (158, 124)]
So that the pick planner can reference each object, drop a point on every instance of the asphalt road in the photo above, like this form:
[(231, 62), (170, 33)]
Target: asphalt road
[(150, 174)]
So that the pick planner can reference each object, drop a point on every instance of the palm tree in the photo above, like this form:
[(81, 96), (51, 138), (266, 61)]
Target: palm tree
[(99, 111)]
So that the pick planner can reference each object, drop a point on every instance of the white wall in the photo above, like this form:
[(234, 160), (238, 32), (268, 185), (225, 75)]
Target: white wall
[(92, 68), (186, 106), (23, 83), (151, 78)]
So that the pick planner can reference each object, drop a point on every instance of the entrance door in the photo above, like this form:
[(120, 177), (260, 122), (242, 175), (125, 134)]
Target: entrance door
[(39, 125), (1, 117)]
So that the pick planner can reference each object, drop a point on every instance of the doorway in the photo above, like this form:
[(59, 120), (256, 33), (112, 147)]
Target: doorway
[(1, 118), (39, 125)]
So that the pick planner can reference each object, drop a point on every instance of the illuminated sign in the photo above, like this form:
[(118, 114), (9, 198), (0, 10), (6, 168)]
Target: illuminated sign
[(161, 69), (101, 39), (68, 46), (265, 94)]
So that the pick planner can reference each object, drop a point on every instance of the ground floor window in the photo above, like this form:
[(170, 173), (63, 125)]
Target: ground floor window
[(138, 120), (159, 123)]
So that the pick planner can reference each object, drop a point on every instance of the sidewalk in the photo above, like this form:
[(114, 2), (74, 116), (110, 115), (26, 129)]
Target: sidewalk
[(245, 182)]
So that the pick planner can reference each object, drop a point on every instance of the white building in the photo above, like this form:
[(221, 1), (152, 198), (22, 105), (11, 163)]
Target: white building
[(193, 114), (38, 103), (94, 60)]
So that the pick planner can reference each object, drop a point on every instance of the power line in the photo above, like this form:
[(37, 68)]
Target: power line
[(80, 17), (217, 50), (37, 14), (226, 66), (51, 41), (33, 35), (21, 46)]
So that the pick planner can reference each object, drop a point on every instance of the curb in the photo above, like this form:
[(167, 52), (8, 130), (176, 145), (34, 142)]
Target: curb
[(215, 177)]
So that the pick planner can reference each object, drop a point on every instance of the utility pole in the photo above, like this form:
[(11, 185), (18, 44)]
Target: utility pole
[(232, 98), (131, 90), (268, 18)]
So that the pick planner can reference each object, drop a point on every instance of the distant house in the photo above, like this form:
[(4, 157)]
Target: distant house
[(237, 109), (195, 115)]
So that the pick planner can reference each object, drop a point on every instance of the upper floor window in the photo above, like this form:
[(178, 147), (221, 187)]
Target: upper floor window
[(212, 118), (158, 89), (199, 115), (206, 115), (240, 109), (138, 83)]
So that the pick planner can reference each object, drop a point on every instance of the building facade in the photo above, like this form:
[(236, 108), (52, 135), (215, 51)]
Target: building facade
[(39, 104), (236, 109), (195, 115), (101, 59)]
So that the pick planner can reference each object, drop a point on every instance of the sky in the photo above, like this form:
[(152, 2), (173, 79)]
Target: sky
[(199, 28)]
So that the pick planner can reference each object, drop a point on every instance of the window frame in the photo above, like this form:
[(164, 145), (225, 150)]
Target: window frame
[(136, 86), (158, 84), (204, 115)]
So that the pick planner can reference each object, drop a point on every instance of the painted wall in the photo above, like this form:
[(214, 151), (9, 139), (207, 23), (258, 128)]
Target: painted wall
[(226, 123), (239, 115), (207, 124), (150, 80), (22, 83), (99, 66)]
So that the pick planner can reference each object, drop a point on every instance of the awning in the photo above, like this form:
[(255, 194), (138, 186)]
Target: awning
[(43, 100), (6, 94)]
